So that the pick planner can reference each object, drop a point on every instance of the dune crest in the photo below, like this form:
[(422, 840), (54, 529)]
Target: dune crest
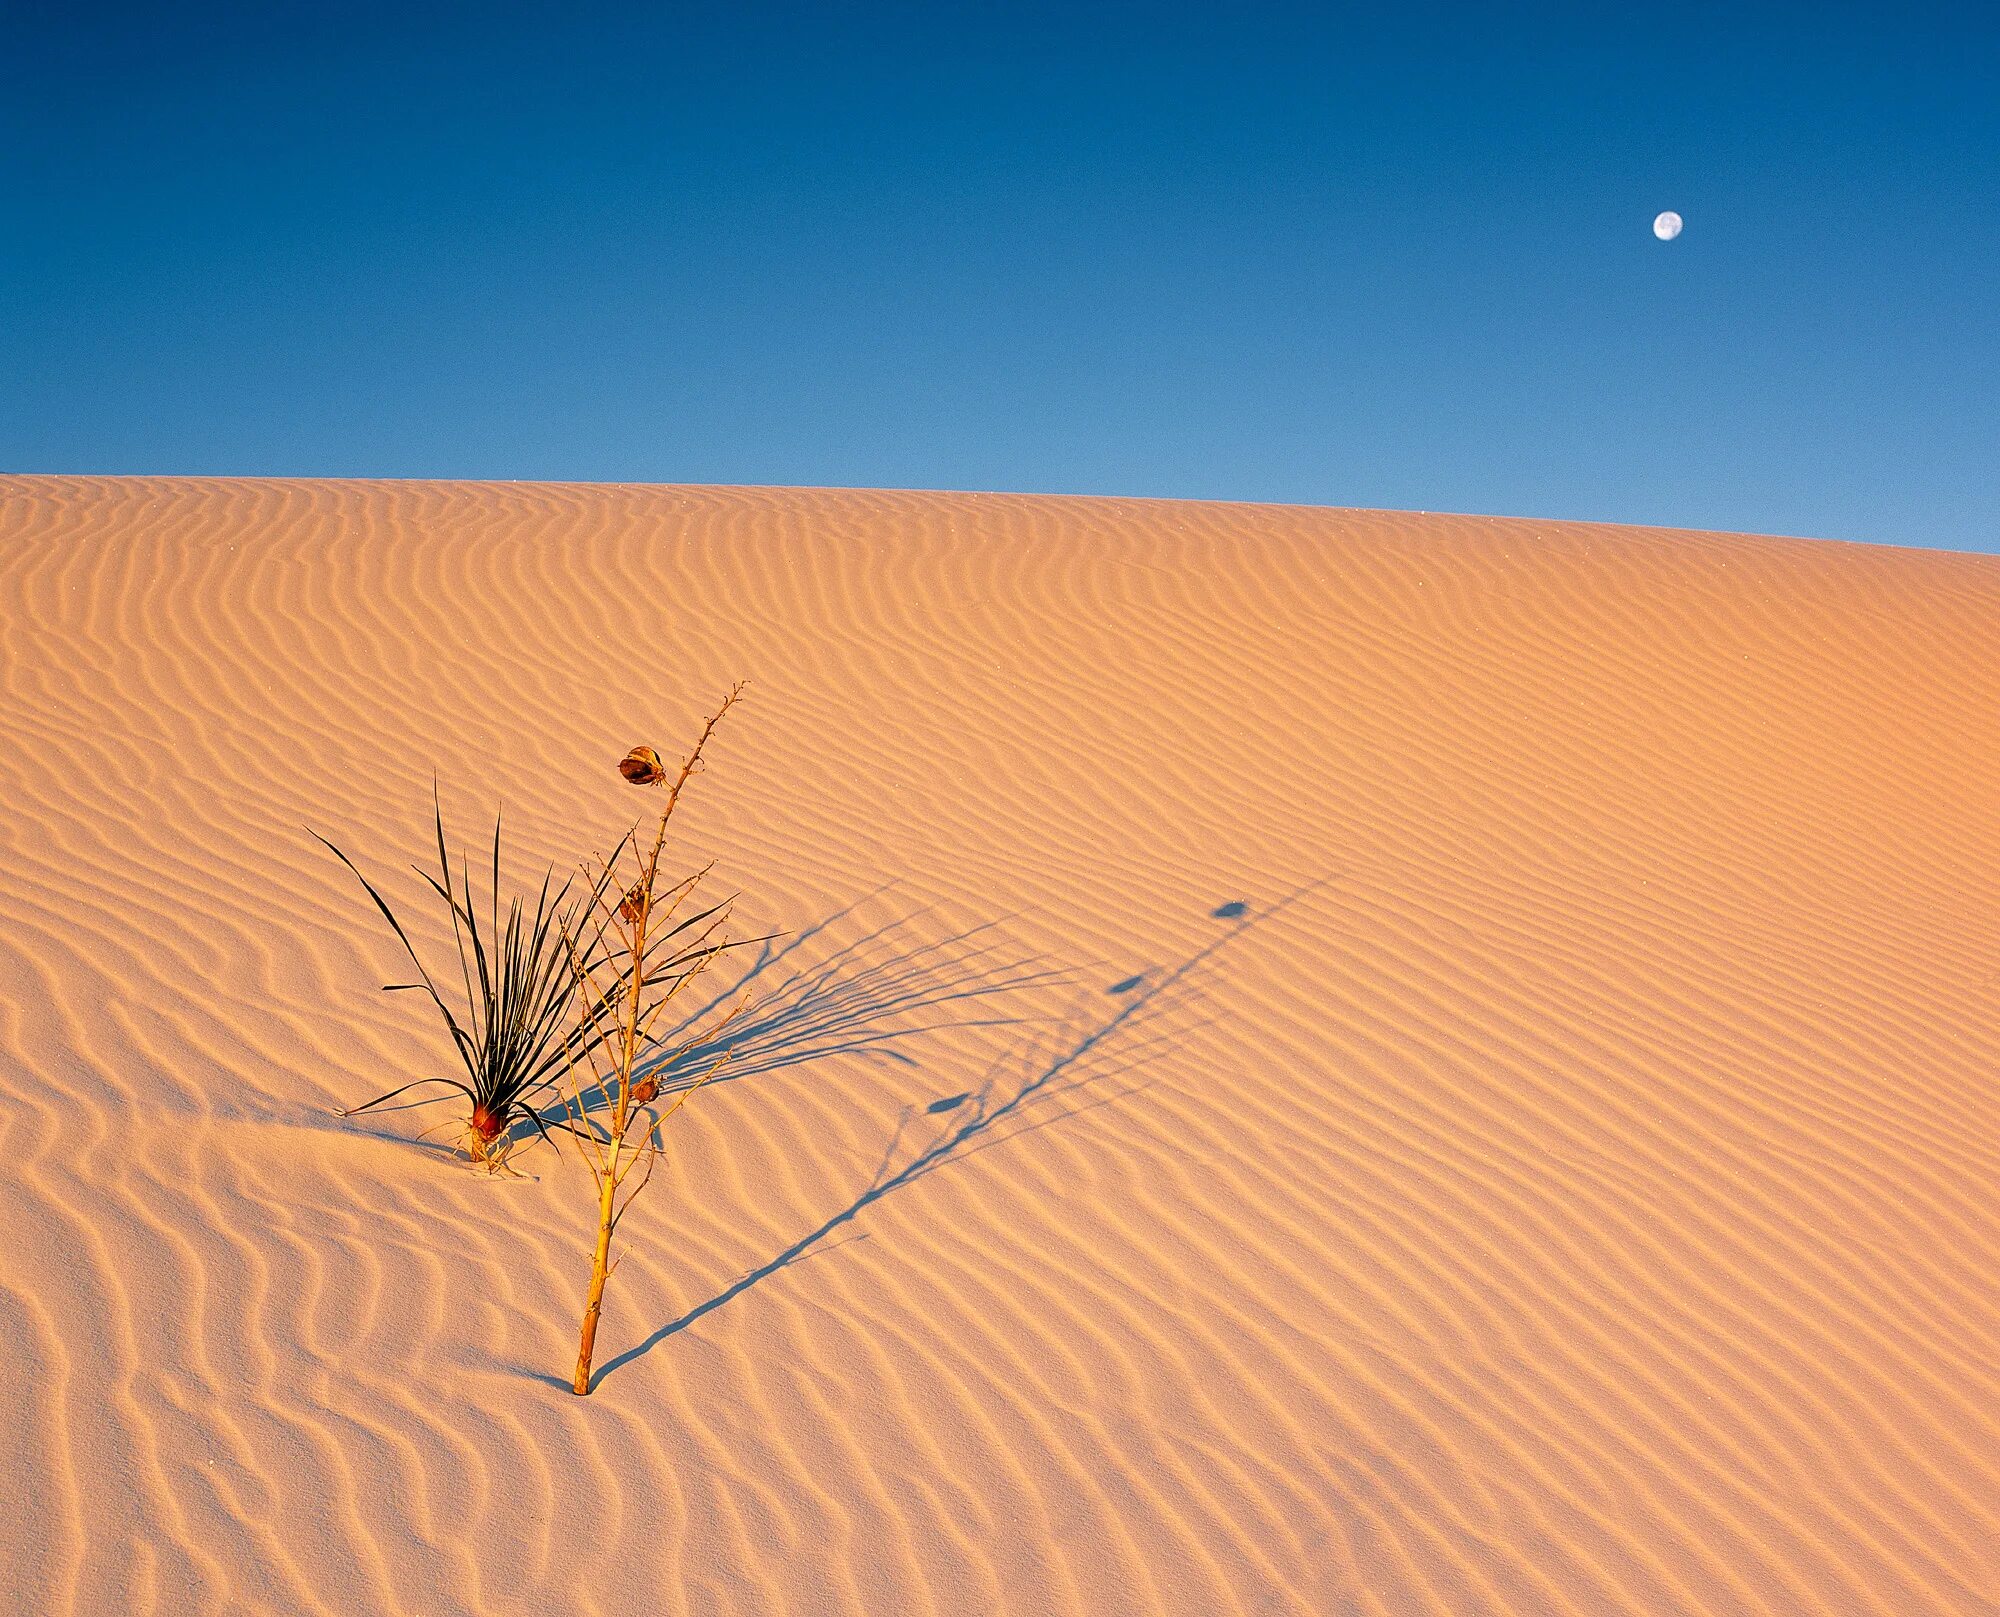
[(1324, 1061)]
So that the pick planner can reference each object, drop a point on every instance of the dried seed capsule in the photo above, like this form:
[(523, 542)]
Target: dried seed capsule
[(642, 767)]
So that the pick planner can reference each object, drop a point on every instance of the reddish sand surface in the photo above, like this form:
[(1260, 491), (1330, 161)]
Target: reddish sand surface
[(1322, 1061)]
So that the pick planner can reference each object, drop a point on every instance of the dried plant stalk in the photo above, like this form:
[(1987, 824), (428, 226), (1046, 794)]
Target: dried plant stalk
[(632, 957)]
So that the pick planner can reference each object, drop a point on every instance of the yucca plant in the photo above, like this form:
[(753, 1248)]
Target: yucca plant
[(513, 1021)]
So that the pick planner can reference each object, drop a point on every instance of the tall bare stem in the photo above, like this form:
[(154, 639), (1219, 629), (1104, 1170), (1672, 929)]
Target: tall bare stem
[(632, 960)]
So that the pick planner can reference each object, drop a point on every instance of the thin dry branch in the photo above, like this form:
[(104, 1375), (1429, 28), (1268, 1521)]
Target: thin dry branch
[(632, 955)]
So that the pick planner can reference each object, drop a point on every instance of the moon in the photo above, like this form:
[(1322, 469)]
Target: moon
[(1667, 226)]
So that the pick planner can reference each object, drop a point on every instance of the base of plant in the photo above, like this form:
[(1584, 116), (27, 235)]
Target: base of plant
[(488, 1141)]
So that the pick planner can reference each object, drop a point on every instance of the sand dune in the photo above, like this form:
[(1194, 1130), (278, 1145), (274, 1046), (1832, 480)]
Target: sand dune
[(1324, 1061)]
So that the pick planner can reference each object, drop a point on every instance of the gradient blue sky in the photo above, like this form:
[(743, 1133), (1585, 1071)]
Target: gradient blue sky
[(1391, 256)]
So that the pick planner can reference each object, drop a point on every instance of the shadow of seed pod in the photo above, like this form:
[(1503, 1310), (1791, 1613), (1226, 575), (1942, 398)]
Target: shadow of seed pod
[(642, 767)]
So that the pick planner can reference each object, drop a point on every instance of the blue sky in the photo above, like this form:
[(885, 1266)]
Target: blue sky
[(1392, 256)]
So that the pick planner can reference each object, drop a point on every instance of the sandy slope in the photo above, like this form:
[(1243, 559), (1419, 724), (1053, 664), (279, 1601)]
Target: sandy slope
[(1567, 1185)]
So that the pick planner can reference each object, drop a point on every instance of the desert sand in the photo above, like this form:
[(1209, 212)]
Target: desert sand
[(1323, 1061)]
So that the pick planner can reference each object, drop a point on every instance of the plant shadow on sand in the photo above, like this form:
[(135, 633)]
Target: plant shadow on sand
[(1102, 1050), (812, 999)]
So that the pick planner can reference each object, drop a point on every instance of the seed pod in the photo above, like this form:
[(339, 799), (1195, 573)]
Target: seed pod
[(633, 906), (645, 1091), (642, 767)]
